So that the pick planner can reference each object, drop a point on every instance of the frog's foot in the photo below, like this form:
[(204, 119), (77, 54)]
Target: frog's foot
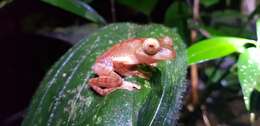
[(104, 85), (101, 91), (129, 86)]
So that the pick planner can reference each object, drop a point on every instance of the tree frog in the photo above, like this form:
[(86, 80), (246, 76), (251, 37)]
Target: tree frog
[(121, 60)]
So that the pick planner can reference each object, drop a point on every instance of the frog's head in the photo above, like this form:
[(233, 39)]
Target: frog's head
[(154, 50)]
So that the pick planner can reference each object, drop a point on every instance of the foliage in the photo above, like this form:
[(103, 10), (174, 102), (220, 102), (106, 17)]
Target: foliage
[(145, 6), (248, 63), (176, 15), (215, 47), (209, 3), (64, 98), (214, 29), (249, 73), (78, 7), (5, 2)]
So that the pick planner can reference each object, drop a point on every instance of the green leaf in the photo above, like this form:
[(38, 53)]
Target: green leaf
[(5, 2), (215, 48), (64, 98), (79, 8), (86, 1), (144, 6), (249, 73), (258, 29), (228, 31), (177, 11), (208, 3), (226, 16), (177, 15)]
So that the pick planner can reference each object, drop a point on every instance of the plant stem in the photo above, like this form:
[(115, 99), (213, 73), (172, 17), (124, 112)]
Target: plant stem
[(194, 69), (113, 10)]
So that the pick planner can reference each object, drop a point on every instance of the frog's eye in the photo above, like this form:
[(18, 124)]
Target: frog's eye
[(151, 46)]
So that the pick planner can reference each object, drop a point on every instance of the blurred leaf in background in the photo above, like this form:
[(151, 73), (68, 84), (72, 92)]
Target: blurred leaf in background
[(229, 23), (79, 8), (5, 2), (71, 34), (144, 6), (177, 15), (236, 31), (86, 1), (208, 3), (226, 16)]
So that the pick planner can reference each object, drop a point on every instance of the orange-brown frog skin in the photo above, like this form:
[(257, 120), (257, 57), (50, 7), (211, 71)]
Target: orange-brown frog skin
[(122, 58)]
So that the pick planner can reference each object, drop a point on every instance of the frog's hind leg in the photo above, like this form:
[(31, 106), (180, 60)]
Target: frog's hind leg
[(105, 82), (105, 70), (104, 85), (108, 81), (107, 77)]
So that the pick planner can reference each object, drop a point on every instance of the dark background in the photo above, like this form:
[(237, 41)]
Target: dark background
[(27, 51), (26, 55)]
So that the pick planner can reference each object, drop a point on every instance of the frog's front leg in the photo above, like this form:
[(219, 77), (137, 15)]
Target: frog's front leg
[(128, 69)]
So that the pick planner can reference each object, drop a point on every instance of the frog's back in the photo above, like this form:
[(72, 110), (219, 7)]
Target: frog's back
[(125, 48)]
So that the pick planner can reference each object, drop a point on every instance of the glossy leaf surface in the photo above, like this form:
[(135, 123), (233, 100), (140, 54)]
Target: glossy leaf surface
[(249, 73), (258, 29), (64, 98), (79, 8), (215, 48)]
